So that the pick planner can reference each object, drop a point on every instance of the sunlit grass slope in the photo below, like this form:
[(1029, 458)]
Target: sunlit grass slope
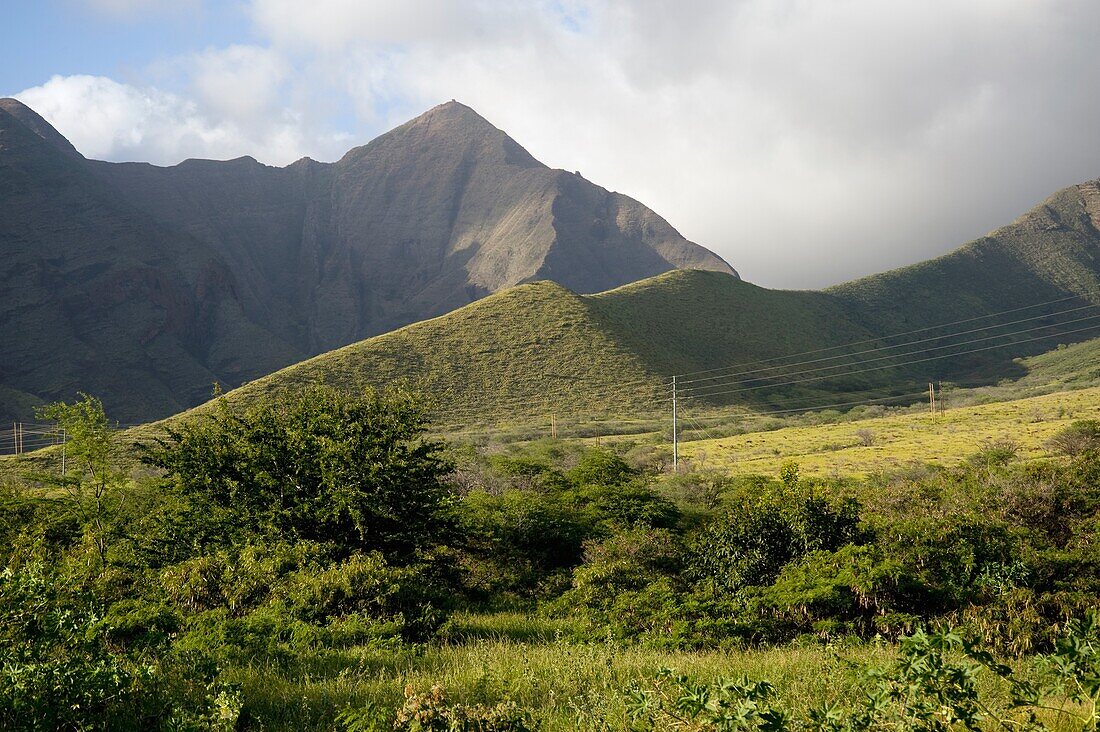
[(527, 351), (899, 439), (539, 349)]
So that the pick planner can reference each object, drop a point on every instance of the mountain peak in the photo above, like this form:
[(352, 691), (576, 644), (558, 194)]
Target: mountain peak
[(37, 124), (455, 111), (457, 121), (449, 128)]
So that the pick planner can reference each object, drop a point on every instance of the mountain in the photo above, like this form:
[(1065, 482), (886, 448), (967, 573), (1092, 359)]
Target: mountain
[(145, 284), (540, 349), (1052, 251)]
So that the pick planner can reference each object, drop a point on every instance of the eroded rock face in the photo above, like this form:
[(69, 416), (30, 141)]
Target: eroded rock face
[(144, 284)]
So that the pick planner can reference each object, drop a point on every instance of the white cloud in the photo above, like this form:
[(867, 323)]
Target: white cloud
[(805, 140), (108, 120), (239, 82)]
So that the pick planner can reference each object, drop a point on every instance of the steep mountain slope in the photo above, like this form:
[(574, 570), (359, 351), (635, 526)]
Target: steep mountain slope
[(145, 284), (97, 296), (1049, 253), (541, 349), (428, 217)]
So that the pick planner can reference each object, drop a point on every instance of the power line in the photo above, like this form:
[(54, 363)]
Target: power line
[(775, 402), (908, 363), (885, 337), (646, 392), (816, 407), (888, 347), (901, 355)]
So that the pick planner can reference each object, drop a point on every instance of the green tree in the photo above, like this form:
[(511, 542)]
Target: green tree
[(355, 472), (90, 477), (601, 467)]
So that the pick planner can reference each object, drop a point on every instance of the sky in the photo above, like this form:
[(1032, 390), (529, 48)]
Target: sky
[(806, 141)]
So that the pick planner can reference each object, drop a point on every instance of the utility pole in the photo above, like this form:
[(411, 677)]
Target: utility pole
[(63, 441), (932, 400), (554, 426), (675, 438)]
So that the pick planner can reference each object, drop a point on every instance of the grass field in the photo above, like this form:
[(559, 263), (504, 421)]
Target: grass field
[(567, 685), (898, 439)]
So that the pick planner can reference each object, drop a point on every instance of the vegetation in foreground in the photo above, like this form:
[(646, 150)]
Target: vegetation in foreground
[(299, 565)]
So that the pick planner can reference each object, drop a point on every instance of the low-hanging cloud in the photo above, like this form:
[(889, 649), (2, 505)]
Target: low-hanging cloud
[(807, 141)]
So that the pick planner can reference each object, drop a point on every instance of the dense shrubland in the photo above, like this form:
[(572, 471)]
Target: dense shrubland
[(284, 540)]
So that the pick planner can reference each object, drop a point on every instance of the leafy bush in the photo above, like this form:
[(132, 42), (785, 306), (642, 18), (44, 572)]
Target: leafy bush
[(995, 455), (605, 509), (601, 467), (63, 666), (1077, 438), (615, 571), (932, 686), (320, 466), (751, 543)]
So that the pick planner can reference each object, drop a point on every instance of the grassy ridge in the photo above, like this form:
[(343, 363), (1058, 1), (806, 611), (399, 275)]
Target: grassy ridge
[(540, 349), (1047, 254), (519, 353)]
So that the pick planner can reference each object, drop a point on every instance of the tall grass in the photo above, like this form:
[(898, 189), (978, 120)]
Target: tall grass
[(567, 685)]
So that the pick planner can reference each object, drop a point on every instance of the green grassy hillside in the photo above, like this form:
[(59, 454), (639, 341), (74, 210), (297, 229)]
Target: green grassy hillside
[(539, 350), (1049, 253), (521, 353)]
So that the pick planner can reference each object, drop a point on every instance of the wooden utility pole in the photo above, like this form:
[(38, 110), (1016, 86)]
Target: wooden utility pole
[(932, 400), (675, 438), (554, 426)]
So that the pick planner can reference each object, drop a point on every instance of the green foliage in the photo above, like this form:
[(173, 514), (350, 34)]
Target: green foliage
[(89, 436), (318, 467), (995, 455), (61, 666), (605, 509), (674, 701), (752, 542), (280, 548), (515, 540), (616, 573), (91, 479), (1078, 437), (601, 467), (932, 686)]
